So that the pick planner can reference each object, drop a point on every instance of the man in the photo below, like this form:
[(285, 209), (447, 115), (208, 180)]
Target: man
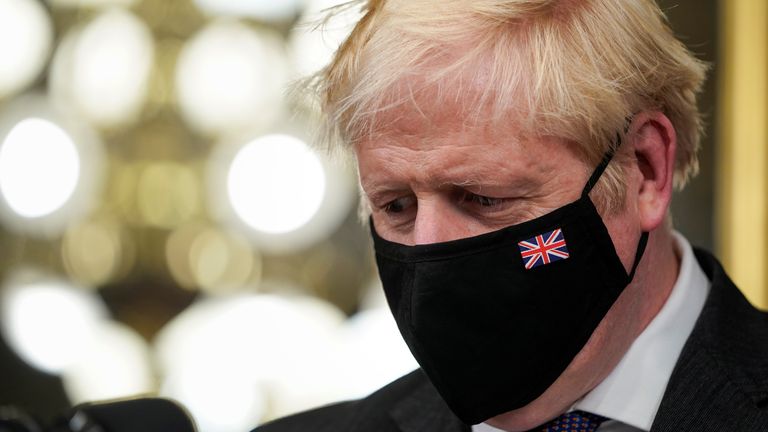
[(519, 157)]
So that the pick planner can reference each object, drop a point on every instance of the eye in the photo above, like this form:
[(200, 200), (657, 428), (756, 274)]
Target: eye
[(480, 200), (399, 205)]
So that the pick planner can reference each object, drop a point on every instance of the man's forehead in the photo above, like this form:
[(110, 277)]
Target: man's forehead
[(437, 101), (443, 148), (463, 158), (432, 122)]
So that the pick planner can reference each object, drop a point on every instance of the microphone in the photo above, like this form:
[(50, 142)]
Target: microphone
[(129, 415), (13, 419)]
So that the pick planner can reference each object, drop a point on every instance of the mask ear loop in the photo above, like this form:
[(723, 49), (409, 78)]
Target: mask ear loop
[(593, 179), (639, 254), (601, 167), (606, 159)]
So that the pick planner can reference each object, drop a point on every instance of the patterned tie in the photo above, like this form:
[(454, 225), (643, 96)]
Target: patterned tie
[(574, 421)]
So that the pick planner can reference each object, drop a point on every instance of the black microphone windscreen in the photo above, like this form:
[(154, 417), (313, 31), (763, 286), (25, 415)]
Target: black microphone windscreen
[(134, 415)]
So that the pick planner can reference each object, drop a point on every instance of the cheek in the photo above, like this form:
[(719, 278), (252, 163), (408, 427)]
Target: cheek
[(624, 228)]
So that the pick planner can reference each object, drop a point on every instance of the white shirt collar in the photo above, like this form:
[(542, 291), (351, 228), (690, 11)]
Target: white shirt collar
[(632, 392)]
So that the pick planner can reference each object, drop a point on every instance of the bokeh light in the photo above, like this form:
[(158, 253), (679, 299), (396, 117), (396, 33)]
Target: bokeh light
[(219, 400), (257, 340), (103, 69), (26, 34), (230, 78), (39, 167), (50, 324), (267, 10), (90, 3), (282, 194), (374, 352), (276, 184), (97, 251), (168, 194), (50, 167), (203, 257), (262, 336), (116, 364)]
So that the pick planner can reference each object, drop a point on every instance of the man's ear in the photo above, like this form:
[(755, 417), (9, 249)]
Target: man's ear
[(654, 142)]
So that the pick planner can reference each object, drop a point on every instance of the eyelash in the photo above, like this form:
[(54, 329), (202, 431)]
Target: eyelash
[(389, 207), (481, 200), (397, 206)]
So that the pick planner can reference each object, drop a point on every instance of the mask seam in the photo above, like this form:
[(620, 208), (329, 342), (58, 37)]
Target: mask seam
[(412, 327), (446, 257)]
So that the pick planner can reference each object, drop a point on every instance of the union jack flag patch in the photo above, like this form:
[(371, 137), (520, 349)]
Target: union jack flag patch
[(543, 249)]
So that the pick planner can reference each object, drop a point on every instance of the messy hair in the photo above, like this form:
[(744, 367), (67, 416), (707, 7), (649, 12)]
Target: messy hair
[(573, 69)]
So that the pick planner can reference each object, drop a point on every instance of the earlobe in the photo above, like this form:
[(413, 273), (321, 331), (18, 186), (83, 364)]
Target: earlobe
[(654, 142)]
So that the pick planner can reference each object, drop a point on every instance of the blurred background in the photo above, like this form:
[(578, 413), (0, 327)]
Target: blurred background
[(167, 226)]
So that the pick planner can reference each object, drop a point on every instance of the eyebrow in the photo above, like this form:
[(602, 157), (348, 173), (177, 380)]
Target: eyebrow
[(517, 186)]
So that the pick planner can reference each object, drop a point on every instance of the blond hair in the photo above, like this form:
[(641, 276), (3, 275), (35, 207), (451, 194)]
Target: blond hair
[(574, 69)]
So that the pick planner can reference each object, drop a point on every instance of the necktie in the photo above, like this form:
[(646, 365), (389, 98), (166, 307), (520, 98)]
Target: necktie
[(574, 421)]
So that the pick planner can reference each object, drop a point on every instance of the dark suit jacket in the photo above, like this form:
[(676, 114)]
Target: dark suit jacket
[(720, 382)]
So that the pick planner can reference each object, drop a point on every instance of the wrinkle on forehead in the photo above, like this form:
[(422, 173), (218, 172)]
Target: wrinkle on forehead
[(433, 124), (423, 103)]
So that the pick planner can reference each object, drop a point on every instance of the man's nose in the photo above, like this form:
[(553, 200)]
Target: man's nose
[(438, 221)]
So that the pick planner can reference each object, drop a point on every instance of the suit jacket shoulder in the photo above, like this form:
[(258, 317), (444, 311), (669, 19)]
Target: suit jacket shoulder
[(720, 381), (408, 404)]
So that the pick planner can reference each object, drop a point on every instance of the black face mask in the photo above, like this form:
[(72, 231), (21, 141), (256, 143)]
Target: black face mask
[(494, 320)]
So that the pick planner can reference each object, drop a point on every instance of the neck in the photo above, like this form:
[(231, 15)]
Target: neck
[(656, 275)]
